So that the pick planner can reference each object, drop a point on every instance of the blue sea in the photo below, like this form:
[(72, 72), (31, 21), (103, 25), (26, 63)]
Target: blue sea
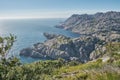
[(29, 32)]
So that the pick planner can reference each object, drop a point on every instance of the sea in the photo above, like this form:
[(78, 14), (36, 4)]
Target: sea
[(29, 32)]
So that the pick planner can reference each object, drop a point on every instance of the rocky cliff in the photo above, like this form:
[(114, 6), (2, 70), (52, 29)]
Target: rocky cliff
[(106, 26), (59, 46)]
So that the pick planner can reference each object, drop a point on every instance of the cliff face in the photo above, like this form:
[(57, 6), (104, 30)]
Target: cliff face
[(59, 46), (102, 25)]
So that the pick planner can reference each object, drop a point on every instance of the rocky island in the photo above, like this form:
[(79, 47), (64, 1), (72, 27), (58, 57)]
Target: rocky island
[(96, 31)]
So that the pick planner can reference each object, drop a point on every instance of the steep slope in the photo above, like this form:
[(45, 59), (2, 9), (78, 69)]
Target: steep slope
[(99, 69), (103, 25), (59, 46), (65, 70)]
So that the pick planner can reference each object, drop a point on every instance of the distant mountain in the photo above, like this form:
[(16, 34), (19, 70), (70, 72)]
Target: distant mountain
[(103, 25)]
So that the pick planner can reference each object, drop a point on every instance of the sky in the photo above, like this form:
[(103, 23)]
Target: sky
[(54, 8)]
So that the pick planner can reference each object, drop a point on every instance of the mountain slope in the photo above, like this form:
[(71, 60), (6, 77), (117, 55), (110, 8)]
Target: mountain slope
[(103, 25), (59, 46), (65, 70)]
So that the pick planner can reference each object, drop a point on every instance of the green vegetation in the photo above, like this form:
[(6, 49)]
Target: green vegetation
[(63, 40), (6, 43), (11, 69)]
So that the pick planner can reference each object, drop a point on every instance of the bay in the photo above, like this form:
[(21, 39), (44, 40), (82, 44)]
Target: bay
[(29, 32)]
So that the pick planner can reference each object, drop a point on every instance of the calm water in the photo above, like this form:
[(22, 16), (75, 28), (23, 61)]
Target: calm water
[(29, 32)]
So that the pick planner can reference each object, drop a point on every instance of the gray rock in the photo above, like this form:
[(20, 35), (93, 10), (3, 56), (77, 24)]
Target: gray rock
[(105, 26), (62, 47), (50, 36)]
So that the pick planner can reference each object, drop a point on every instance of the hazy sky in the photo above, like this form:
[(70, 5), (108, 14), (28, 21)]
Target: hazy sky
[(54, 8)]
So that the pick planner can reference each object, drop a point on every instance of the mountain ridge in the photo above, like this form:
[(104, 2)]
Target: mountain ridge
[(94, 25)]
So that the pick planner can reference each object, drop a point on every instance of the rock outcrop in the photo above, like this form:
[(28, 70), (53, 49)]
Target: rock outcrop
[(50, 36), (62, 47)]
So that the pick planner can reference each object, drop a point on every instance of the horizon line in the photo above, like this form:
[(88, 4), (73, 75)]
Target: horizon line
[(51, 15), (2, 18)]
